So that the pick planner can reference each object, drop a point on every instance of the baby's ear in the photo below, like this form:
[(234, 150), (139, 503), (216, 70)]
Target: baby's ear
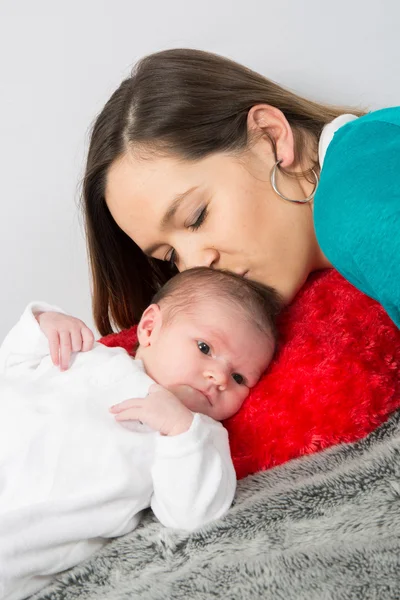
[(149, 325)]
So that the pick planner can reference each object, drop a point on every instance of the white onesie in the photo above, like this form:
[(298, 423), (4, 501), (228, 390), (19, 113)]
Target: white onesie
[(71, 476)]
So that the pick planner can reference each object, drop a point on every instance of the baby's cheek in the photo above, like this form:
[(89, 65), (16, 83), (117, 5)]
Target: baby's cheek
[(244, 392), (237, 401)]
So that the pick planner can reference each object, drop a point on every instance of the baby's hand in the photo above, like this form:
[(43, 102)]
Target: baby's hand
[(160, 410), (66, 335)]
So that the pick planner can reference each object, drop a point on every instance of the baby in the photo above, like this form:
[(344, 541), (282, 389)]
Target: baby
[(70, 475)]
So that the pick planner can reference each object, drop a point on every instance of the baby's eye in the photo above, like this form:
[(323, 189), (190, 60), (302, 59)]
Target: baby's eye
[(238, 378), (203, 347)]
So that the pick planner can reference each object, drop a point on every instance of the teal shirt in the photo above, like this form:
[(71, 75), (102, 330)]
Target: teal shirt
[(357, 206)]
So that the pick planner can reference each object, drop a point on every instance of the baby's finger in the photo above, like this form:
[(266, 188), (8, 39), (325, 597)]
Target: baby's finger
[(130, 414), (155, 387), (76, 339), (65, 349), (125, 404), (87, 338), (54, 346)]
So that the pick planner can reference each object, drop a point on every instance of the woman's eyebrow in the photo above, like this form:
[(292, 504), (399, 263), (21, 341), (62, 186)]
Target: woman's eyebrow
[(171, 210), (168, 216)]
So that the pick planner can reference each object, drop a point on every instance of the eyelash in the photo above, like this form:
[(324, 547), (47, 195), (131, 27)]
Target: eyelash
[(243, 379), (200, 220), (194, 227), (172, 258)]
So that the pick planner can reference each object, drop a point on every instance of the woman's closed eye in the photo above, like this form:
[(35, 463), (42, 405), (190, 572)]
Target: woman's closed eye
[(200, 217), (171, 257)]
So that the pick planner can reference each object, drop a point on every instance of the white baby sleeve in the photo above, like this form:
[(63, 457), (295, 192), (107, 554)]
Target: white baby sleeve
[(193, 475), (25, 345)]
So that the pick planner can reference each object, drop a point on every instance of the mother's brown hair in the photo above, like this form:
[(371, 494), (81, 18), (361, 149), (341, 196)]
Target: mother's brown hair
[(184, 102)]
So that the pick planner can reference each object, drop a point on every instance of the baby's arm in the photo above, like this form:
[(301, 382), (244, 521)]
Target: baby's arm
[(193, 475), (28, 342)]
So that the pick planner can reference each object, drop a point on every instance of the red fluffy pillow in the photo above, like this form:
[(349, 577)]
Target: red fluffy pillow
[(335, 378)]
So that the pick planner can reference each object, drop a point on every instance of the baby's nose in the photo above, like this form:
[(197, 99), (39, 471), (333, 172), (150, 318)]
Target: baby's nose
[(218, 376)]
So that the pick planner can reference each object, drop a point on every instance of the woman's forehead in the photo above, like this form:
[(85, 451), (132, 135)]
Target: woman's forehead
[(131, 180), (134, 179), (138, 191)]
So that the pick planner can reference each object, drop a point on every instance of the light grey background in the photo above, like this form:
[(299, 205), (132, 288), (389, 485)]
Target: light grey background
[(60, 61)]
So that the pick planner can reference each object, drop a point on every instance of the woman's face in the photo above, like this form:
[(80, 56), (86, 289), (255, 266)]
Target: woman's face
[(220, 212)]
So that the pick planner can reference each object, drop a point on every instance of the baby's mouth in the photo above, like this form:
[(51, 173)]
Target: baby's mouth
[(184, 391), (208, 396)]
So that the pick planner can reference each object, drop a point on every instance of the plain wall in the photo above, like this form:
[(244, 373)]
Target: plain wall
[(60, 61)]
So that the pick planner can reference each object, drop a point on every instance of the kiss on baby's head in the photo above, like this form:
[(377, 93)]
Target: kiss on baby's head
[(208, 336)]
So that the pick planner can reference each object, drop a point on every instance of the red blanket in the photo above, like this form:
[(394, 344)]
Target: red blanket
[(335, 378)]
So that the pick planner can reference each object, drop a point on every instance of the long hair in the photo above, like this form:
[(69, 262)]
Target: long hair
[(188, 103)]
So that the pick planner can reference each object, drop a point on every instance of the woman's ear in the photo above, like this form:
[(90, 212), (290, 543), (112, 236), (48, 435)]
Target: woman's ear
[(149, 325), (270, 121)]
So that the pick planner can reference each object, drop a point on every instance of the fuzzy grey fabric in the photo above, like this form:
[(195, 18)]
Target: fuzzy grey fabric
[(324, 527)]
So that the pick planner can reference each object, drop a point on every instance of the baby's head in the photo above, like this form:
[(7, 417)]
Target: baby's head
[(208, 336)]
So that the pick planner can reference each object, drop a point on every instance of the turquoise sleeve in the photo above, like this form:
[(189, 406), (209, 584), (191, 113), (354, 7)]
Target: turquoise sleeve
[(357, 206)]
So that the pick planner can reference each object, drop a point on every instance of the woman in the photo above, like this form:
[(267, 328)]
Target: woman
[(196, 160)]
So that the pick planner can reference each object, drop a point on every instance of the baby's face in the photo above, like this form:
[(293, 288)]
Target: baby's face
[(210, 359)]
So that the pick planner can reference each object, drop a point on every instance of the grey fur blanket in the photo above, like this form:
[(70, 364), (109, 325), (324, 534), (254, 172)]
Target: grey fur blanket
[(325, 526)]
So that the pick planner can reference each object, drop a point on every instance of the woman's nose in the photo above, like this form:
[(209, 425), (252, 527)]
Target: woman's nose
[(208, 257)]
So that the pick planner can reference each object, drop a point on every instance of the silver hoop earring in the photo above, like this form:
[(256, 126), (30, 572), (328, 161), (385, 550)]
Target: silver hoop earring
[(274, 187)]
